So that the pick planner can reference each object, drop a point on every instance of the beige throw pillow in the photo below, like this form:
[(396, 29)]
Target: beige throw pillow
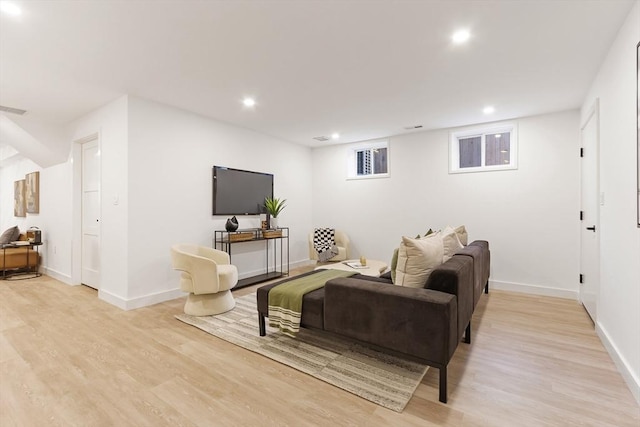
[(416, 260), (461, 231), (450, 242)]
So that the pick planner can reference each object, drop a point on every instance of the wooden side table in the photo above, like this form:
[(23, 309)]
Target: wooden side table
[(30, 272)]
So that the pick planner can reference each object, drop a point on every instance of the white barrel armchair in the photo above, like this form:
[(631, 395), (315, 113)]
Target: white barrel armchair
[(208, 276)]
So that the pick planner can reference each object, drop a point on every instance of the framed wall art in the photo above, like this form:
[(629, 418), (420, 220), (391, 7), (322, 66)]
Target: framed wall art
[(19, 205), (32, 190)]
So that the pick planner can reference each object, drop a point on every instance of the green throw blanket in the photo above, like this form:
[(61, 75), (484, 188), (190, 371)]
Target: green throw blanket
[(285, 300)]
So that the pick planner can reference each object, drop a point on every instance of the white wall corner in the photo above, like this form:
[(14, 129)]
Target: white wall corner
[(533, 289), (632, 380), (64, 278), (139, 302), (112, 299)]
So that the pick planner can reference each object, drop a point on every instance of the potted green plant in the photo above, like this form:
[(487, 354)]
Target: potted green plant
[(274, 206)]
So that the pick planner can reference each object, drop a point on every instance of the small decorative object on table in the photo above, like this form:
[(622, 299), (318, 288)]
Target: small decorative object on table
[(363, 260), (274, 206), (34, 235), (232, 224)]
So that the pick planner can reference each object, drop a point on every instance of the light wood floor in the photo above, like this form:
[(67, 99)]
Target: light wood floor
[(68, 358)]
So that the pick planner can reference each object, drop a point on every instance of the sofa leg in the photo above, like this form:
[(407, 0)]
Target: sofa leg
[(467, 334), (263, 332), (486, 288), (443, 384)]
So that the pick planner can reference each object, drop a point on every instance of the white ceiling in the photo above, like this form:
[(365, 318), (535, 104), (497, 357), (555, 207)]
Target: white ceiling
[(365, 69)]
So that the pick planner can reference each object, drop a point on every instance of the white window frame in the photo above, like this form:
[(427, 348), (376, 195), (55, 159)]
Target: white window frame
[(454, 147), (352, 159)]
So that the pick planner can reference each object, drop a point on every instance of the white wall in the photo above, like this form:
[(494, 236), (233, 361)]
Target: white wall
[(111, 124), (528, 215), (13, 170), (53, 219), (171, 155), (618, 317), (156, 189)]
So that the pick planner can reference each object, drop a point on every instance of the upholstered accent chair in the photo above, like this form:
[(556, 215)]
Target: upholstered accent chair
[(208, 276), (342, 242)]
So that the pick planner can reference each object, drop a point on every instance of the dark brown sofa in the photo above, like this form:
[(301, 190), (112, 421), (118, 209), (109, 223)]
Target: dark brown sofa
[(425, 323)]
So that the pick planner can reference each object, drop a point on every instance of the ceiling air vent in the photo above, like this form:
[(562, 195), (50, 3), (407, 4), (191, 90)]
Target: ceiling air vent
[(12, 110), (413, 127), (321, 138)]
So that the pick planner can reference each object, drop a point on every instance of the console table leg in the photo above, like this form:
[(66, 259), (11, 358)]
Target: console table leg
[(263, 332), (486, 288)]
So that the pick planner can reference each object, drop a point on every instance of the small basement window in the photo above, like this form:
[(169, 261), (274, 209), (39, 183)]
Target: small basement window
[(484, 149), (368, 160)]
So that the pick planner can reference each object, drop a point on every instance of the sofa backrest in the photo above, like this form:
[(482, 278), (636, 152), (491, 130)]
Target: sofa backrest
[(476, 253), (455, 277), (486, 261), (414, 321)]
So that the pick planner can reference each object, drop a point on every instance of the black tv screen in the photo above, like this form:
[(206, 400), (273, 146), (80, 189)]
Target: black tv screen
[(240, 192)]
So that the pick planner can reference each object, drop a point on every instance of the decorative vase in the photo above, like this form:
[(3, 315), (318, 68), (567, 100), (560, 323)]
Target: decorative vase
[(232, 224), (274, 223)]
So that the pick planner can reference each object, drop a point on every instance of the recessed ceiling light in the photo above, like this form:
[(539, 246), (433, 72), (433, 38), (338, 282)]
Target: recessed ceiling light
[(249, 102), (335, 135), (10, 8), (460, 36), (488, 110)]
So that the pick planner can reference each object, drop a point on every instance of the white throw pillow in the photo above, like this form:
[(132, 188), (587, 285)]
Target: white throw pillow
[(416, 260), (450, 242)]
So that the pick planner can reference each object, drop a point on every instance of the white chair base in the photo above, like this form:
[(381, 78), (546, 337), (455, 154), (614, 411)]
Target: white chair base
[(209, 304)]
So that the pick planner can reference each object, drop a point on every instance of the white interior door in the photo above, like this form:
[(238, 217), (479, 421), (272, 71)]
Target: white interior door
[(90, 275), (590, 213)]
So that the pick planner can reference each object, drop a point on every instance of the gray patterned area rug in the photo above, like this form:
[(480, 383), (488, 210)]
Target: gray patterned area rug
[(384, 379)]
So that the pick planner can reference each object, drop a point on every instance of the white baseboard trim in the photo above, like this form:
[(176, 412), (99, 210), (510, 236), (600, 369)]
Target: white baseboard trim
[(64, 278), (303, 263), (292, 265), (633, 382), (139, 302), (533, 289), (158, 297), (112, 299)]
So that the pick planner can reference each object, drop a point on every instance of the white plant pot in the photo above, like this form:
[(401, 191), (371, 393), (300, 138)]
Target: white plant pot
[(274, 223)]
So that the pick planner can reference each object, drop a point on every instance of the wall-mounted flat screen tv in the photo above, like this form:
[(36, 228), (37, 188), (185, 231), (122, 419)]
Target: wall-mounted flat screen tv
[(240, 192)]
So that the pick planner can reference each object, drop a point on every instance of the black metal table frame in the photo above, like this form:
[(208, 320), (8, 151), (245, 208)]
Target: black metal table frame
[(223, 242), (6, 275)]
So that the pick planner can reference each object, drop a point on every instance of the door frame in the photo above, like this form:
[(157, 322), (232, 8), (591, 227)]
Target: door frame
[(76, 244), (594, 113)]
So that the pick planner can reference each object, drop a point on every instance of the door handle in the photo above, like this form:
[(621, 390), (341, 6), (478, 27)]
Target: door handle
[(592, 228)]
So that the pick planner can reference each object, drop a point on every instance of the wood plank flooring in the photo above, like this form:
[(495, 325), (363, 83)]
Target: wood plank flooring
[(67, 358)]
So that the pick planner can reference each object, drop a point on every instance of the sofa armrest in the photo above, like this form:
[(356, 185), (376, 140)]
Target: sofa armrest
[(418, 322), (455, 277)]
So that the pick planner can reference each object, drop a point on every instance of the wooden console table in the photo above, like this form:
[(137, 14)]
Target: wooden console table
[(224, 240)]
